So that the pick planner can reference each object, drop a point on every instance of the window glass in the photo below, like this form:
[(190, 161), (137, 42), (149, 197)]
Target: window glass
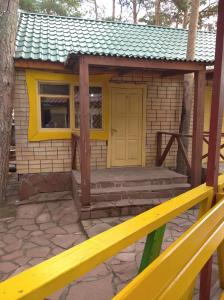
[(54, 103), (95, 107), (54, 89), (54, 112)]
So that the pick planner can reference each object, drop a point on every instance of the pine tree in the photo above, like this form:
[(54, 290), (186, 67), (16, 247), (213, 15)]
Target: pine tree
[(188, 85)]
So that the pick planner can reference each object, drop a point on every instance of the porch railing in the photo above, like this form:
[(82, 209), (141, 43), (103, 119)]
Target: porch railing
[(75, 150), (162, 154), (53, 274)]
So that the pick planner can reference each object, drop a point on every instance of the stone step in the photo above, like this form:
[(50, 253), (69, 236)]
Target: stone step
[(124, 207), (135, 192), (135, 177)]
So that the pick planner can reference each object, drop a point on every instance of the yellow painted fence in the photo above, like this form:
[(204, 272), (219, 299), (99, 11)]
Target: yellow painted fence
[(172, 273)]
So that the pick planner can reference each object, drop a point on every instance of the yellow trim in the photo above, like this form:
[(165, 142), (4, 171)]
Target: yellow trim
[(36, 133), (143, 87)]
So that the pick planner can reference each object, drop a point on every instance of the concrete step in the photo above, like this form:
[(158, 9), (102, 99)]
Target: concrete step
[(124, 207), (135, 192)]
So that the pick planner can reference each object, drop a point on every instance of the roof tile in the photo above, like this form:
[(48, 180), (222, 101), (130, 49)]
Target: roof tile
[(52, 38)]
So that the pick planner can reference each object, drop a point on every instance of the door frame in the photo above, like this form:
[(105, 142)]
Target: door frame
[(143, 87)]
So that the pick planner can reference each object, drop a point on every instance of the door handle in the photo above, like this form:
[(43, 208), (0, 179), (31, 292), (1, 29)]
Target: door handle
[(113, 131)]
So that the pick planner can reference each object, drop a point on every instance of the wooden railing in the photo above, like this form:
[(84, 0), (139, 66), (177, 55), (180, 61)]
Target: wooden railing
[(75, 150), (202, 239), (172, 274), (162, 154)]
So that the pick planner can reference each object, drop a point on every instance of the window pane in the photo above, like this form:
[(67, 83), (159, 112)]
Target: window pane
[(54, 112), (54, 89), (95, 107)]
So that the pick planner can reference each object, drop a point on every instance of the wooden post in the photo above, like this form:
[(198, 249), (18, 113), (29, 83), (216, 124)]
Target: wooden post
[(84, 131), (158, 148), (215, 134), (198, 127)]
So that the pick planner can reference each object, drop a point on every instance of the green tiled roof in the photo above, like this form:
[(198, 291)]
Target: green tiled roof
[(52, 38)]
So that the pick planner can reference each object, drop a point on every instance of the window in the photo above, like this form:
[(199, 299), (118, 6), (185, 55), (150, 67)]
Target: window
[(95, 107), (52, 114), (54, 103)]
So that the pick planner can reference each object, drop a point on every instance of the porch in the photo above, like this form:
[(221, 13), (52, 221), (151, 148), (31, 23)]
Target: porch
[(127, 191), (85, 65)]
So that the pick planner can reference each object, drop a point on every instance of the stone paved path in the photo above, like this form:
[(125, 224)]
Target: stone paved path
[(40, 231)]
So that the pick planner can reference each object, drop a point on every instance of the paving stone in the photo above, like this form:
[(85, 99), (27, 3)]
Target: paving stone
[(55, 230), (43, 218), (6, 267), (72, 228), (38, 252), (65, 241), (46, 225), (3, 228), (57, 250), (31, 227), (126, 257), (126, 270), (138, 259), (40, 240), (22, 260), (61, 294), (36, 233), (14, 246), (130, 248), (67, 219), (98, 229), (100, 289), (36, 260), (28, 245), (29, 211), (21, 233), (2, 245), (9, 238), (139, 247), (12, 255), (21, 222)]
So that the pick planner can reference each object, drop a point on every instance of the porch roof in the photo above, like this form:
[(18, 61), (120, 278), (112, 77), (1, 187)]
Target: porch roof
[(52, 38)]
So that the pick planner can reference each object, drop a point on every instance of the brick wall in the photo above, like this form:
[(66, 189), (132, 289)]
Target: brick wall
[(163, 106), (44, 156)]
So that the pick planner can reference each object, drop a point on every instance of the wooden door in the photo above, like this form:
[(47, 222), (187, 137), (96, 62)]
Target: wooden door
[(126, 127)]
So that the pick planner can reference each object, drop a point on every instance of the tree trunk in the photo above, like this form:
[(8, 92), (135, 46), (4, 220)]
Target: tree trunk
[(134, 2), (188, 86), (185, 19), (95, 9), (113, 10), (157, 12), (8, 22)]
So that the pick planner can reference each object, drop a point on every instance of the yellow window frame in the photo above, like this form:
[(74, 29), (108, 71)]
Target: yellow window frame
[(36, 133)]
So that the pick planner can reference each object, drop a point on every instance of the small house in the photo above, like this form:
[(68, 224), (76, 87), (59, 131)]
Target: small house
[(94, 94)]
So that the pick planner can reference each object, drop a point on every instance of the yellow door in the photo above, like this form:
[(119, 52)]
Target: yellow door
[(126, 127)]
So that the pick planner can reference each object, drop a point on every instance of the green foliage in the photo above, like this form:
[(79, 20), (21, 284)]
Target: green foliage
[(54, 7), (168, 13), (28, 5)]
